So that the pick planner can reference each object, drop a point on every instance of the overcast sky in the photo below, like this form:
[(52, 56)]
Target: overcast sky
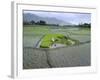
[(74, 18)]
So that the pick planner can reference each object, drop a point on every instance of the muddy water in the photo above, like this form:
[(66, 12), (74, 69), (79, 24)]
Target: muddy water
[(57, 57)]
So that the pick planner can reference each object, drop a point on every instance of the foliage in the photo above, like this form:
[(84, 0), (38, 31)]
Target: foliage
[(32, 22), (41, 22), (51, 39), (85, 25)]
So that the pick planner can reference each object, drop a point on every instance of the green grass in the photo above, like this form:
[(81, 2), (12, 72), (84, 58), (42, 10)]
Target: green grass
[(50, 39), (47, 40)]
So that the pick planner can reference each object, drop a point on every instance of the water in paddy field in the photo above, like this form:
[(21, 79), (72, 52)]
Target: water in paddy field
[(61, 57), (73, 56), (31, 39)]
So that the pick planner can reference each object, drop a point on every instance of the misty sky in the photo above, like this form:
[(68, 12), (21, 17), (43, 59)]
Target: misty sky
[(74, 18)]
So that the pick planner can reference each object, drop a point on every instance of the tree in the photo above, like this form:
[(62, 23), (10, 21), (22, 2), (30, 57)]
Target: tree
[(85, 25), (41, 22), (32, 22), (25, 23)]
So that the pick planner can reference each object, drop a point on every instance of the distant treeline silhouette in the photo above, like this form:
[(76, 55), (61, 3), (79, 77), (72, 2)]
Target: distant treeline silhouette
[(85, 25), (42, 22)]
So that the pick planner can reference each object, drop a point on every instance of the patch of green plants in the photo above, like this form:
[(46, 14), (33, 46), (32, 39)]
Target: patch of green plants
[(50, 39)]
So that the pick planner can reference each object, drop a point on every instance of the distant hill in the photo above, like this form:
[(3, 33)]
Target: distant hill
[(29, 17)]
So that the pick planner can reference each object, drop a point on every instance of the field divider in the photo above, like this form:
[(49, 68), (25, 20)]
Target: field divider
[(39, 42)]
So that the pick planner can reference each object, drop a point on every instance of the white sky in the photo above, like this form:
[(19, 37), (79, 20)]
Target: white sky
[(74, 18)]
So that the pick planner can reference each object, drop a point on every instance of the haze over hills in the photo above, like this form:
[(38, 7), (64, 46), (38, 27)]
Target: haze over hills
[(49, 20)]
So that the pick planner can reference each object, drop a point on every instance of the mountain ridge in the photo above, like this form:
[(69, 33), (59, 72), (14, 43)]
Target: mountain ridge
[(49, 20)]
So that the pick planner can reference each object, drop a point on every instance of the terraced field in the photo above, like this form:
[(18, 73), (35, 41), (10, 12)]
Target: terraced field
[(77, 55), (34, 58), (33, 33)]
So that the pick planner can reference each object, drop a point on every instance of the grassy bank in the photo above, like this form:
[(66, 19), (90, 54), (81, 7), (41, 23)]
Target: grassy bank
[(51, 39)]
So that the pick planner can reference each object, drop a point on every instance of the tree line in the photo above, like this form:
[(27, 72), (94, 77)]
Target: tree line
[(85, 25), (42, 22)]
